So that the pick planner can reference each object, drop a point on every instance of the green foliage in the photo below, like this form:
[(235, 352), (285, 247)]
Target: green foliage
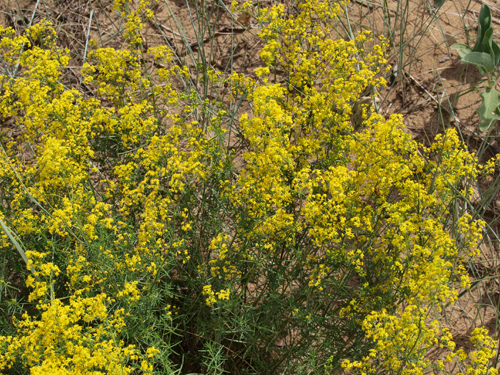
[(485, 56)]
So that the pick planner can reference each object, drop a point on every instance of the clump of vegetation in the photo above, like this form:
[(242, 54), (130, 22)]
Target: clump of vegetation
[(148, 249)]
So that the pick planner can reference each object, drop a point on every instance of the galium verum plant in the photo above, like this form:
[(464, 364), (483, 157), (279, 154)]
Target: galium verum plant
[(150, 250)]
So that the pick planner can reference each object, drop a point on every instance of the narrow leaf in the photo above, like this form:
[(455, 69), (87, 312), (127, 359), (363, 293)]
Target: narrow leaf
[(14, 242)]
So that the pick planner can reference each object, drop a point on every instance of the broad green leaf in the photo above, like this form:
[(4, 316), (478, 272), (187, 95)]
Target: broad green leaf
[(487, 41), (485, 17), (478, 46), (438, 3), (484, 61), (496, 52), (490, 46), (462, 49), (488, 111), (483, 25)]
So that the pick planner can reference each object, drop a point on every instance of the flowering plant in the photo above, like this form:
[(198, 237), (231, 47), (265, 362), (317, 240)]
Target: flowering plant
[(150, 250)]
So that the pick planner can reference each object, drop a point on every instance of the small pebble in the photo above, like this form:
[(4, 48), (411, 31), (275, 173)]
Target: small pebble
[(446, 58)]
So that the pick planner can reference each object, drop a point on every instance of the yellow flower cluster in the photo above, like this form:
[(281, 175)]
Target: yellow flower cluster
[(212, 297), (130, 202), (371, 202), (57, 206), (75, 338)]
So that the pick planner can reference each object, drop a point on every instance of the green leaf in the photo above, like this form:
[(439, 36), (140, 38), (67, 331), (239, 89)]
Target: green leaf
[(490, 46), (488, 111), (485, 17), (482, 27), (483, 61), (496, 52), (487, 41), (438, 3), (462, 49), (14, 242)]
